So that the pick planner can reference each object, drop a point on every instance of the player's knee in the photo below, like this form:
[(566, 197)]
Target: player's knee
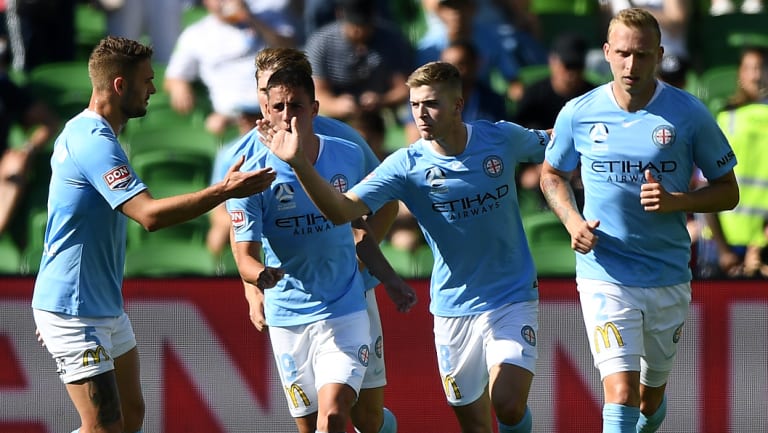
[(510, 411)]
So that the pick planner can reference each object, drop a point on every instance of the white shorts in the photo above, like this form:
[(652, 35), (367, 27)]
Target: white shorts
[(634, 328), (327, 351), (376, 373), (467, 347), (84, 346)]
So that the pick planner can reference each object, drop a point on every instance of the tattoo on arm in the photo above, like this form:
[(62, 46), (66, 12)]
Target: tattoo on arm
[(550, 187)]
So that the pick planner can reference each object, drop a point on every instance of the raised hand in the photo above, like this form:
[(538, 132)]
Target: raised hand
[(653, 196), (243, 184), (286, 143)]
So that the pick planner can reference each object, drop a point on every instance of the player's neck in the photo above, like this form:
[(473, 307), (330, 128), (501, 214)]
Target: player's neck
[(453, 143), (632, 102)]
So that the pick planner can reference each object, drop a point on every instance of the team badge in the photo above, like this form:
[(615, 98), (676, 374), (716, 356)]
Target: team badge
[(238, 219), (340, 182), (118, 177), (678, 333), (529, 335), (493, 166), (663, 136), (435, 177), (378, 348), (363, 354)]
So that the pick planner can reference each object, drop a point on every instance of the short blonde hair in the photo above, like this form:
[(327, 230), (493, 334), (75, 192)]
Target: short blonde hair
[(434, 73), (636, 18), (115, 57), (272, 59)]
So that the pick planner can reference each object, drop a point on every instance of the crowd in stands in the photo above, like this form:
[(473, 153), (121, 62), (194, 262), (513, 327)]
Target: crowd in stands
[(515, 65)]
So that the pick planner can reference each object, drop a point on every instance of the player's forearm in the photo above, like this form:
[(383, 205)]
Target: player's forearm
[(559, 195), (333, 204), (719, 195), (370, 254)]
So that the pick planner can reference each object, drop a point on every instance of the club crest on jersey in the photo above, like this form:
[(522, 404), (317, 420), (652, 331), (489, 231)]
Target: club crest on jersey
[(340, 182), (677, 334), (118, 177), (493, 166), (529, 335), (362, 355), (435, 177), (238, 219), (663, 136)]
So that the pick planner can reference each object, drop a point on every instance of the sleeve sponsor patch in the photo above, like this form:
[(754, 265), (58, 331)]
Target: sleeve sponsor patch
[(118, 177), (238, 218)]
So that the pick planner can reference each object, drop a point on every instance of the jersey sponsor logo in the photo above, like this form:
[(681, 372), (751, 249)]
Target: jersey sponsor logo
[(471, 206), (601, 335), (95, 355), (493, 166), (363, 353), (118, 177), (728, 157), (663, 136), (340, 182), (529, 335), (238, 218), (305, 224), (625, 171), (543, 137), (295, 393), (435, 177)]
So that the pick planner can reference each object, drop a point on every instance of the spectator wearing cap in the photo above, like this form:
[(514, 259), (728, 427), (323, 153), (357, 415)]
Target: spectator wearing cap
[(543, 99), (359, 62)]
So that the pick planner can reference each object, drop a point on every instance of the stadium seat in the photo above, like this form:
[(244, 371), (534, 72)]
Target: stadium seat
[(192, 232), (172, 172), (65, 86), (416, 264), (90, 28), (169, 259), (719, 39), (10, 256), (550, 244), (715, 85), (170, 138)]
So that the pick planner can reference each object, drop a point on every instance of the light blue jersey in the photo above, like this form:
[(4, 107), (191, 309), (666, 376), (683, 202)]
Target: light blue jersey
[(321, 279), (81, 272), (674, 132), (467, 209), (324, 126)]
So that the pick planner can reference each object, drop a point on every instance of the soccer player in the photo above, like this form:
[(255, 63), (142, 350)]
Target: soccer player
[(637, 140), (319, 326), (77, 301), (459, 182), (368, 414)]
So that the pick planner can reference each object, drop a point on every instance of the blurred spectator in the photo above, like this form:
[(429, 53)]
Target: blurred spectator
[(40, 31), (218, 233), (756, 257), (17, 107), (480, 101), (359, 62), (742, 229), (752, 64), (318, 13), (674, 71), (159, 19), (672, 16), (542, 100), (219, 50), (373, 129), (723, 7), (502, 47)]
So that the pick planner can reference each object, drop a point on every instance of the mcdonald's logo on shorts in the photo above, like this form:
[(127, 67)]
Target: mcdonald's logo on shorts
[(601, 333), (295, 393), (449, 383), (95, 355)]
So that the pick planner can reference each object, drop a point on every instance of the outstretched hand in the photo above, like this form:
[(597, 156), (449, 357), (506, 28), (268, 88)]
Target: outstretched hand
[(401, 294), (653, 196), (284, 143), (243, 184)]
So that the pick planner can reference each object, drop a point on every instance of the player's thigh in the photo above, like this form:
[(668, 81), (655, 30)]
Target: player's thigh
[(509, 335), (666, 311), (292, 347), (97, 400), (128, 378), (343, 350), (460, 358), (376, 373), (613, 319)]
